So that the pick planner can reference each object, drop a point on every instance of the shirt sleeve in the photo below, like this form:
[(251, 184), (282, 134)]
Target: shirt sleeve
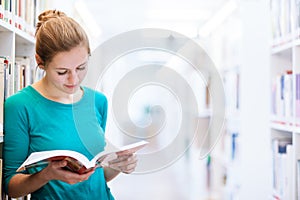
[(16, 139), (101, 105)]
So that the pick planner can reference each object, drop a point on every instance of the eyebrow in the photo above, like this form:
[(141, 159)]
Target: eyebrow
[(62, 68)]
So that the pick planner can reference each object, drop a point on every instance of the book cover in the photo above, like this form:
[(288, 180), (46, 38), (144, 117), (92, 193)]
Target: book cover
[(77, 162)]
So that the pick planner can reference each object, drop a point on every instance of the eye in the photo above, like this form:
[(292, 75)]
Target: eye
[(62, 72), (81, 68)]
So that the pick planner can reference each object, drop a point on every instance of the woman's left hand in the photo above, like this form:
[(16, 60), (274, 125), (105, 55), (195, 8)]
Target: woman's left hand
[(125, 163)]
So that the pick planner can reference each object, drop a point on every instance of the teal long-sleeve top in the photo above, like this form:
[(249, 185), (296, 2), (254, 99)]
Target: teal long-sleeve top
[(34, 123)]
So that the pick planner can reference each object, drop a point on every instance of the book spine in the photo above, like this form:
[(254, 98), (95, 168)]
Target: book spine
[(288, 95), (282, 165), (2, 92), (297, 95)]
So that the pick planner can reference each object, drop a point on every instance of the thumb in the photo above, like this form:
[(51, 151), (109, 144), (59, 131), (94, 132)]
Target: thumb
[(59, 164)]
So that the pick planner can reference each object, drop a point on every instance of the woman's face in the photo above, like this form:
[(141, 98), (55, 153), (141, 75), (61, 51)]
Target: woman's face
[(67, 70)]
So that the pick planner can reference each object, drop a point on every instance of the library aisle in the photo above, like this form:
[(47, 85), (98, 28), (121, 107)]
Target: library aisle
[(256, 49)]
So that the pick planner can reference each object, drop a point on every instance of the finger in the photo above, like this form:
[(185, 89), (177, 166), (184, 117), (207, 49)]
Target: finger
[(124, 152), (129, 168), (125, 166), (130, 160), (121, 158), (78, 178), (124, 161)]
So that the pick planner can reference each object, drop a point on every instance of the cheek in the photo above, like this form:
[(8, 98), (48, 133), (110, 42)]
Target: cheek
[(57, 79), (82, 75)]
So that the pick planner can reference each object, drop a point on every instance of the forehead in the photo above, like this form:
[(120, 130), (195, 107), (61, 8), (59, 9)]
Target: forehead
[(73, 58)]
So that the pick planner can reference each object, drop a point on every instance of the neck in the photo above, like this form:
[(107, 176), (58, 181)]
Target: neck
[(52, 93)]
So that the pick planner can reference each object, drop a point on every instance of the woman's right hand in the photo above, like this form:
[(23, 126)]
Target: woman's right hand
[(23, 184), (56, 171)]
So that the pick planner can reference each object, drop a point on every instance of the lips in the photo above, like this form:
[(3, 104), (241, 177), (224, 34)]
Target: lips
[(71, 86)]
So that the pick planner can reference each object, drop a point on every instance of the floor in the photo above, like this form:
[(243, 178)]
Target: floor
[(184, 180)]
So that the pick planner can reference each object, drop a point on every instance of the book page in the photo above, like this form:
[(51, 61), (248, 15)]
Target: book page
[(46, 156), (102, 159)]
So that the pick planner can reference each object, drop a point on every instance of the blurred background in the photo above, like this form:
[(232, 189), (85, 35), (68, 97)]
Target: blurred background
[(236, 36)]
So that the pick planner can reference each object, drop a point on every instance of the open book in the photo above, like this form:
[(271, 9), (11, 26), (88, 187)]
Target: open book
[(77, 162)]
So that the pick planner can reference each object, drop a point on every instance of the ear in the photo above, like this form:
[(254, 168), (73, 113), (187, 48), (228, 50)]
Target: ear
[(39, 61)]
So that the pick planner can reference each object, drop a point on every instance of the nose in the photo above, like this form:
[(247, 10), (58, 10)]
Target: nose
[(73, 77)]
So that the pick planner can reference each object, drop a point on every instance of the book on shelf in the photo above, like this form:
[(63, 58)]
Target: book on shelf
[(297, 14), (275, 18), (297, 114), (288, 93), (232, 88), (282, 95), (2, 92), (21, 14), (234, 145), (281, 16), (77, 162), (23, 73), (15, 77), (9, 89), (282, 165), (7, 11)]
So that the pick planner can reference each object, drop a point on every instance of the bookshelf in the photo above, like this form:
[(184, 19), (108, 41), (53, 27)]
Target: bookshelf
[(225, 49), (17, 48), (244, 152), (17, 63), (285, 99)]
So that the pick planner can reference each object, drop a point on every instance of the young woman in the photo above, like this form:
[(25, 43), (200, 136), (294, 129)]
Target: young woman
[(57, 113)]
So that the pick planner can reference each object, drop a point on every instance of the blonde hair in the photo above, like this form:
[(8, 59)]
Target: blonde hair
[(56, 32)]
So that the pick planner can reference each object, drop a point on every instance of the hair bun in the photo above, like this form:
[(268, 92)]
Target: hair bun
[(47, 15)]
